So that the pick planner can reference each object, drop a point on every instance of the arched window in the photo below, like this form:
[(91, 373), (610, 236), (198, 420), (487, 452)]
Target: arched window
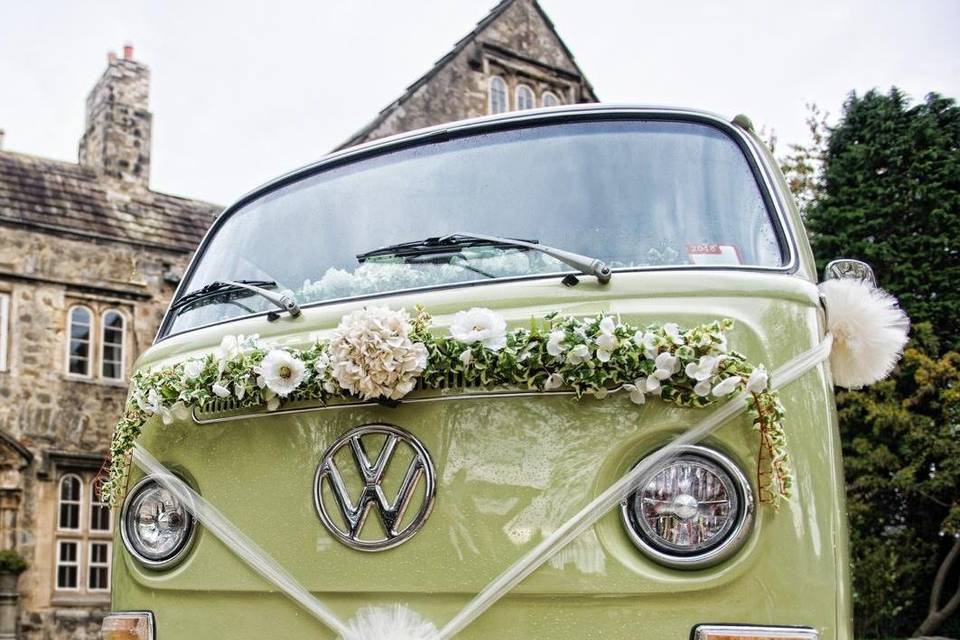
[(525, 99), (498, 95), (71, 494), (549, 99), (99, 510), (78, 342), (111, 353)]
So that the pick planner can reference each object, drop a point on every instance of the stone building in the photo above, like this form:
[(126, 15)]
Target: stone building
[(514, 59), (89, 257)]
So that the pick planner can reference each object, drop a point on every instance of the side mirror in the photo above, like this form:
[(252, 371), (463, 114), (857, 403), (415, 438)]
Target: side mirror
[(848, 268)]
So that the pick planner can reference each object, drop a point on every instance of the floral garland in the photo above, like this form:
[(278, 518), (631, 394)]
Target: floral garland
[(381, 354)]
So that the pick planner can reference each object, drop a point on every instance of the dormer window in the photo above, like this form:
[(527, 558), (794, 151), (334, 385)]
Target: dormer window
[(525, 97), (549, 99), (497, 95)]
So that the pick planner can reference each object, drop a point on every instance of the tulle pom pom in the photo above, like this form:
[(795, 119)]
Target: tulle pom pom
[(869, 331), (395, 622)]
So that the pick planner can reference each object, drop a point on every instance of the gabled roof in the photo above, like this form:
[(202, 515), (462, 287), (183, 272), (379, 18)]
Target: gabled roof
[(494, 14), (67, 197)]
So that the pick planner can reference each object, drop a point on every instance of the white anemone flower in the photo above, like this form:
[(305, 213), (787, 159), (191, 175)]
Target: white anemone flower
[(726, 386), (480, 325), (702, 370), (282, 372), (578, 355), (757, 382), (555, 342)]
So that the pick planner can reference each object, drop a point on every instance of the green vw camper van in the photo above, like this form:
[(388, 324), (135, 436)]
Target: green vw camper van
[(390, 376)]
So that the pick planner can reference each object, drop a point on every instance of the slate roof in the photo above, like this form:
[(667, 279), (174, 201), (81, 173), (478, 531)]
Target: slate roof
[(495, 13), (67, 197)]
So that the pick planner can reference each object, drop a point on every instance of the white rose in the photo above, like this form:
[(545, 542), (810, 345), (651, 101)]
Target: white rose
[(192, 369), (757, 382), (555, 343), (480, 325), (727, 386), (578, 355), (554, 381)]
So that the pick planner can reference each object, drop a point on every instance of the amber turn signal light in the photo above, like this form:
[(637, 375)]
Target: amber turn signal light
[(744, 632), (132, 625)]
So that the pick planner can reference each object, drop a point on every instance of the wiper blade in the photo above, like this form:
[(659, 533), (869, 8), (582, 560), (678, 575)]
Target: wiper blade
[(457, 241), (439, 244), (232, 288)]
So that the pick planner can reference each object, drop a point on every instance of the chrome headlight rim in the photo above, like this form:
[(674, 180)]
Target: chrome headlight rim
[(181, 550), (734, 538)]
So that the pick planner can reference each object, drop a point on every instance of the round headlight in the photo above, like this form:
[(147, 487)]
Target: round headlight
[(692, 512), (155, 527)]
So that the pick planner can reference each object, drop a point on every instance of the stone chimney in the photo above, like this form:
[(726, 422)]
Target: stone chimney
[(116, 142)]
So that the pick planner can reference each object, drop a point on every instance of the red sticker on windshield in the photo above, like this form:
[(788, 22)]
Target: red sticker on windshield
[(709, 253)]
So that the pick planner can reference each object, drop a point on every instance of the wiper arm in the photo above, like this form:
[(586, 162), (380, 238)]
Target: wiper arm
[(584, 264), (458, 241), (217, 288)]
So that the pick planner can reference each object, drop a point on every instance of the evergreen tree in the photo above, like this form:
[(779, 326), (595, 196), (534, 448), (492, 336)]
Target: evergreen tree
[(891, 197)]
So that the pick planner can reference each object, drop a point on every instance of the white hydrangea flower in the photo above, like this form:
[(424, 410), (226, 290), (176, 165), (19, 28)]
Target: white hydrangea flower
[(555, 342), (282, 372), (192, 369), (554, 381), (578, 355), (702, 370), (480, 325), (666, 364), (726, 386), (372, 356), (757, 382)]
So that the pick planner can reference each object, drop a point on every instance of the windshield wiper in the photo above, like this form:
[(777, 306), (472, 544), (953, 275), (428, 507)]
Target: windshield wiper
[(218, 289), (455, 242)]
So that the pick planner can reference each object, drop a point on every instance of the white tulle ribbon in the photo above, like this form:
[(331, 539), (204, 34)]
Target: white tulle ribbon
[(398, 622)]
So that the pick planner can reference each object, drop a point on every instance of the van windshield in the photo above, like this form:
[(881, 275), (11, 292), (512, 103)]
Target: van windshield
[(633, 193)]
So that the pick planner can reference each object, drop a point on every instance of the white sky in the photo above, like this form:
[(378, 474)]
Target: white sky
[(243, 91)]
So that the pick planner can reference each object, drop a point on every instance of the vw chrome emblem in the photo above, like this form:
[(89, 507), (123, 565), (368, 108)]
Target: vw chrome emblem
[(418, 479)]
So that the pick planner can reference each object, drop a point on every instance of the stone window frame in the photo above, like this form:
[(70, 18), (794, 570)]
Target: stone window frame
[(77, 563), (91, 565), (490, 91), (84, 538), (543, 99), (520, 88), (4, 330), (102, 346), (90, 342), (78, 502)]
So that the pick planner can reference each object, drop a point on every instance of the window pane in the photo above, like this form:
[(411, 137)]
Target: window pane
[(111, 370), (99, 518), (70, 488), (68, 551), (498, 95), (113, 320), (69, 516), (79, 315), (78, 366), (67, 577), (98, 578)]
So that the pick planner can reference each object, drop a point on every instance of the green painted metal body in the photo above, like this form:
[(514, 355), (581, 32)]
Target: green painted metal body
[(510, 470)]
